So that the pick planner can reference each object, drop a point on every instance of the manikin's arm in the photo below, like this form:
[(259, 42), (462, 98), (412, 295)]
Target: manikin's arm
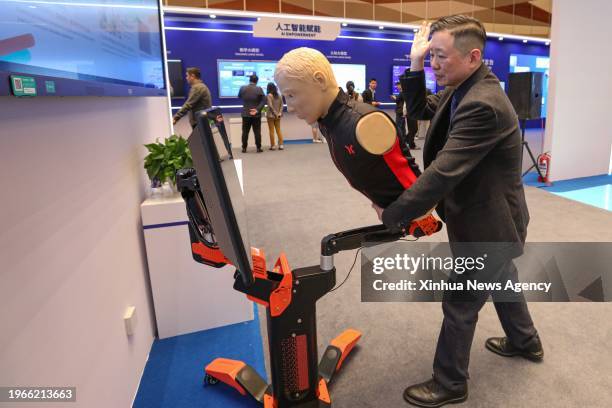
[(376, 133)]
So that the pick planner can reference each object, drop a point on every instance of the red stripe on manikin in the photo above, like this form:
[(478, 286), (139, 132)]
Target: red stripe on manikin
[(398, 164)]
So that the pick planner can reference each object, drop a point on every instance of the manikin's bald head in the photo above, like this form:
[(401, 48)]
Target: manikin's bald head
[(306, 79)]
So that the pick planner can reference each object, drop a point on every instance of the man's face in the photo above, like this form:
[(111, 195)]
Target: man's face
[(190, 78), (303, 97), (450, 66), (399, 87), (373, 85)]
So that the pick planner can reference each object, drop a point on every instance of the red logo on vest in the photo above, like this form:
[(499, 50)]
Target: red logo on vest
[(350, 149)]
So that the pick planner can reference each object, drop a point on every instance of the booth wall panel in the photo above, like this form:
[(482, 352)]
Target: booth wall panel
[(72, 251)]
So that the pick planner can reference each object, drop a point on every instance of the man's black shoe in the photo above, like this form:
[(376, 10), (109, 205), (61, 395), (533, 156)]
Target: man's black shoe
[(432, 394), (259, 150), (503, 347), (244, 150)]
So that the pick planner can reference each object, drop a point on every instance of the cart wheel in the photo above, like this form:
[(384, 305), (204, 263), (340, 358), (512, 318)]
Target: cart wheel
[(210, 380)]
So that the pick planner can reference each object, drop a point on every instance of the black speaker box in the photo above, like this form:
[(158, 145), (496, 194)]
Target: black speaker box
[(525, 93)]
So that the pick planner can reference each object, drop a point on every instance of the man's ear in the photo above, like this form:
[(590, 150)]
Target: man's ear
[(475, 55), (320, 80)]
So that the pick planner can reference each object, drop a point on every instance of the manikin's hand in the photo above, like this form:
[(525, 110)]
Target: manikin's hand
[(420, 47)]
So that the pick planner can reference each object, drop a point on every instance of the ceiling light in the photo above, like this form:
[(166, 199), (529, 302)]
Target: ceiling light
[(416, 30), (501, 38), (213, 16), (524, 41), (547, 43), (381, 27), (344, 24)]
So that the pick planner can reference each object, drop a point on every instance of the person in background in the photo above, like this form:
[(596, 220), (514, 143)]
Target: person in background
[(352, 95), (198, 99), (413, 129), (369, 95), (400, 114), (253, 101), (316, 138), (273, 115)]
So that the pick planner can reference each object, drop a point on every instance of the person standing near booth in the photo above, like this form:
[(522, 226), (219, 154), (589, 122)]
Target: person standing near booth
[(369, 95), (198, 99), (253, 101), (472, 159), (273, 115)]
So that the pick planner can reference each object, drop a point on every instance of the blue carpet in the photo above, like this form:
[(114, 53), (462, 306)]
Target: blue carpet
[(594, 190), (175, 370)]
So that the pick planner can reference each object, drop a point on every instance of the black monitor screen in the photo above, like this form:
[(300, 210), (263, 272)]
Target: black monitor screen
[(222, 191), (177, 78)]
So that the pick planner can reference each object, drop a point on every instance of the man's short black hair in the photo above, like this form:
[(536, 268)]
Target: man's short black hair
[(373, 79), (468, 32), (398, 83), (254, 79), (195, 71)]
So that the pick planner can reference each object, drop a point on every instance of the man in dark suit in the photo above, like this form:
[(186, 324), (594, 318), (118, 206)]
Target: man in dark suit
[(369, 95), (253, 101), (472, 158)]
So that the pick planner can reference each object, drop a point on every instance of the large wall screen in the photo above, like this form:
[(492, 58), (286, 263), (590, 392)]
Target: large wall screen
[(114, 42)]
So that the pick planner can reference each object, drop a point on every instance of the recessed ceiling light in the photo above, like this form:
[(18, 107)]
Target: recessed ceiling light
[(416, 30), (213, 16), (547, 43), (381, 27), (501, 38), (344, 24), (524, 41)]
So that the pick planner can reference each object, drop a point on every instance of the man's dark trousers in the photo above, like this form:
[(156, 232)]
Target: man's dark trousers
[(247, 122), (413, 128), (461, 314), (400, 124)]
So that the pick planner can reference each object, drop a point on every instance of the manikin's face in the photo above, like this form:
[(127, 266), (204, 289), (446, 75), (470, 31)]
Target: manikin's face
[(305, 98), (450, 66)]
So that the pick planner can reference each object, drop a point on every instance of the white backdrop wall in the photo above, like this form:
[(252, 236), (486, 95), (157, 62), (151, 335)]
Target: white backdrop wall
[(579, 133), (72, 254)]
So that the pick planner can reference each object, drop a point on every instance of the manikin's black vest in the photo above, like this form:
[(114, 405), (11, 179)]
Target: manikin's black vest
[(381, 178)]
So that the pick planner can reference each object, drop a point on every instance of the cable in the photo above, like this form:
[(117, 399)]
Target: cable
[(355, 261), (350, 270)]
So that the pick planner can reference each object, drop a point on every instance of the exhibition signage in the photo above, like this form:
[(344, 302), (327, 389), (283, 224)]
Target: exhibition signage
[(292, 29), (23, 85)]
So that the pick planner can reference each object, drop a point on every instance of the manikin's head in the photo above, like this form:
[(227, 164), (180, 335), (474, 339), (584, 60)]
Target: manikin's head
[(307, 82), (373, 84), (192, 75), (457, 46)]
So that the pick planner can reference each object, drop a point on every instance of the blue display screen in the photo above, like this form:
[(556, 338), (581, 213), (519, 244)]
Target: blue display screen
[(234, 74), (398, 70), (109, 41), (533, 63)]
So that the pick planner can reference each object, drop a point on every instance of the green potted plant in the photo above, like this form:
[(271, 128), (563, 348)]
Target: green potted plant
[(164, 159)]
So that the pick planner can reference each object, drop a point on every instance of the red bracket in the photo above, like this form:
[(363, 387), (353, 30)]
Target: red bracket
[(281, 297)]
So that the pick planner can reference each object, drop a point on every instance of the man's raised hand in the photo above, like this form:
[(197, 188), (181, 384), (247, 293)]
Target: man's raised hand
[(420, 47)]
